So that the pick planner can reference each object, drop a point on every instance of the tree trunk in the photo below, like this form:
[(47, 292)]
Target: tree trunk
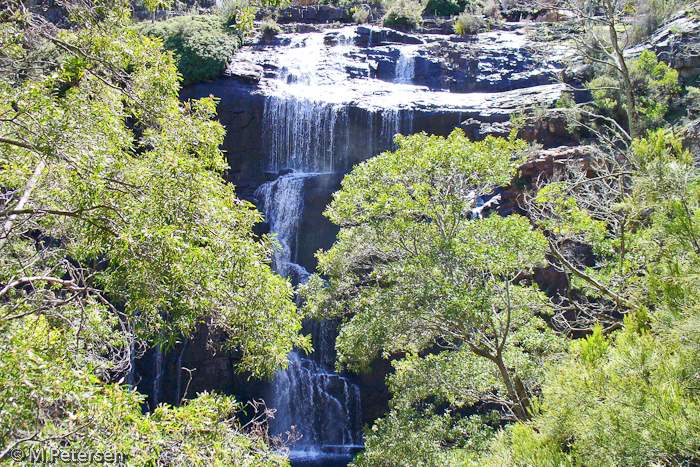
[(516, 391), (624, 74)]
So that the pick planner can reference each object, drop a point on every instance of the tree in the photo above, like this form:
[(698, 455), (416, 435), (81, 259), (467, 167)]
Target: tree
[(414, 272), (117, 227), (591, 213), (630, 397)]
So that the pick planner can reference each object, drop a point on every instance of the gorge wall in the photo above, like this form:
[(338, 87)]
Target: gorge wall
[(300, 111)]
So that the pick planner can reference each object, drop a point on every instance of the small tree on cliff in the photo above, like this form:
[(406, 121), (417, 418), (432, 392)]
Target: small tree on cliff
[(414, 272)]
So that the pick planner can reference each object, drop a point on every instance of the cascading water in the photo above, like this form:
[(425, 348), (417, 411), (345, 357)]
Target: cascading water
[(158, 374), (330, 104), (406, 65), (308, 132), (302, 133), (307, 121), (323, 407), (283, 204)]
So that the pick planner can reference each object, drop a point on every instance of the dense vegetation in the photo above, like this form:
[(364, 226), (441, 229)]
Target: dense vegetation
[(202, 44), (119, 232), (488, 370)]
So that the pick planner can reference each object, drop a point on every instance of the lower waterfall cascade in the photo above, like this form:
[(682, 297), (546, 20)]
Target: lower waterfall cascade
[(310, 400)]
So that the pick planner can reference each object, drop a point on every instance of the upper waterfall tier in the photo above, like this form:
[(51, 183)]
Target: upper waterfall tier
[(376, 68), (324, 101)]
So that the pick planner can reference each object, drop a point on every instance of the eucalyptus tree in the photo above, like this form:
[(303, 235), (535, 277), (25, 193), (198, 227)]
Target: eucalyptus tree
[(118, 230), (415, 272), (628, 397)]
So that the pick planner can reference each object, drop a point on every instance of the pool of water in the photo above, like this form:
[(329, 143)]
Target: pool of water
[(328, 460), (324, 456)]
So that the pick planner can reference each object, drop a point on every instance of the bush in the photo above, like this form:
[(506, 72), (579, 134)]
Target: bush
[(360, 13), (654, 85), (492, 9), (237, 14), (467, 23), (269, 27), (648, 15), (200, 43), (450, 7), (404, 15)]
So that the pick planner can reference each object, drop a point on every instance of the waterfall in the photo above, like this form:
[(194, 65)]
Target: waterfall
[(406, 65), (178, 368), (283, 205), (158, 374), (300, 133), (324, 407), (307, 128)]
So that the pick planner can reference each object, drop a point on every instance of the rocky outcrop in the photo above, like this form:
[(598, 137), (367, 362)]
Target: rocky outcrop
[(677, 43), (476, 83), (314, 14), (539, 167)]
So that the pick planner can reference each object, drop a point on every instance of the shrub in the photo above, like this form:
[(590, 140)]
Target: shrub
[(467, 23), (201, 46), (654, 84), (237, 14), (269, 27), (649, 15), (360, 13), (404, 15), (492, 9), (450, 7), (443, 8)]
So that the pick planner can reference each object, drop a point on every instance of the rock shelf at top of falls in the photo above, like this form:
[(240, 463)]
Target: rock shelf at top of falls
[(362, 66), (324, 101)]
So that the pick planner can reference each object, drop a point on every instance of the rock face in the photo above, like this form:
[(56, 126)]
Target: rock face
[(334, 99), (300, 111), (677, 43)]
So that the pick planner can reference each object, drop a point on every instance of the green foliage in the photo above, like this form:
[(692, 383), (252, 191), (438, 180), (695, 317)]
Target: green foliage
[(269, 27), (443, 8), (361, 13), (410, 270), (201, 44), (667, 185), (467, 23), (118, 232), (154, 5), (51, 392), (423, 438), (238, 16), (653, 85), (566, 101), (630, 398), (628, 405), (404, 15)]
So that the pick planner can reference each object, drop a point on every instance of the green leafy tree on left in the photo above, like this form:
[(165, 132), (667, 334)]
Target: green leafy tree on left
[(116, 231)]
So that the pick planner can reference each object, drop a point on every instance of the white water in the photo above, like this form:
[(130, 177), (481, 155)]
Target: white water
[(283, 205), (306, 118), (309, 127), (406, 65)]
